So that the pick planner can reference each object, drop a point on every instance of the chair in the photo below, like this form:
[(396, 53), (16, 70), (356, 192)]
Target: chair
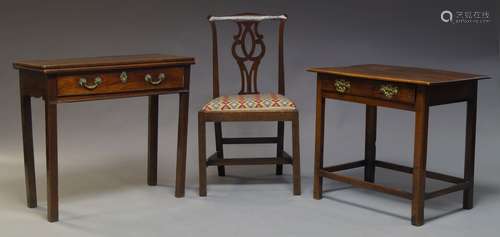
[(249, 104)]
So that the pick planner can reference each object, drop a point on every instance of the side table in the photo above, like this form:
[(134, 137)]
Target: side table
[(406, 88), (86, 79)]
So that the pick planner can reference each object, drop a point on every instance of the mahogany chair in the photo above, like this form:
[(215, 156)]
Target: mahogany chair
[(249, 104)]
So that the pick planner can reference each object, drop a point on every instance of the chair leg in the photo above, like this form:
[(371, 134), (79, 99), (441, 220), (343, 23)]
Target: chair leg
[(202, 156), (219, 147), (296, 156), (279, 146)]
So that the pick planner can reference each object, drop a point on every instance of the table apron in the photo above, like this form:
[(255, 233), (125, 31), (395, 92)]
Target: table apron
[(367, 100), (72, 99)]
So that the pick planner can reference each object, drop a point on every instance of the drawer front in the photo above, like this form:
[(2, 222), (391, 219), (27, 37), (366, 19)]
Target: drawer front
[(390, 91), (121, 81)]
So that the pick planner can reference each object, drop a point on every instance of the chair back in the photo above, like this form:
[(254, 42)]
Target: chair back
[(247, 53)]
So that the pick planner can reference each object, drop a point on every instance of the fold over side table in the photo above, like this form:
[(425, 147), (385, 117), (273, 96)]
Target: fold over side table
[(406, 88), (86, 79)]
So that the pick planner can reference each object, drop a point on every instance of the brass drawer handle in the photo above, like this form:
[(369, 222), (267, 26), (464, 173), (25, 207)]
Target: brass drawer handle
[(389, 90), (149, 78), (83, 83), (342, 86)]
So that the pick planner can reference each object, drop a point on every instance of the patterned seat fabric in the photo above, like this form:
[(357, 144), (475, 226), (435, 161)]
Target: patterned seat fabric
[(250, 103)]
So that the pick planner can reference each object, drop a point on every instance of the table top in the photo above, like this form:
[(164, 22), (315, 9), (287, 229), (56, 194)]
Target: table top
[(107, 62), (411, 75)]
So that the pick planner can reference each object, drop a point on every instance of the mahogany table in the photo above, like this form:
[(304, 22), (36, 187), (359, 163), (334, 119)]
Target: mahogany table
[(86, 79), (406, 88)]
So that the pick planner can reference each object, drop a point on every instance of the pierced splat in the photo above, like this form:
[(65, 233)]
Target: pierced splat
[(248, 50)]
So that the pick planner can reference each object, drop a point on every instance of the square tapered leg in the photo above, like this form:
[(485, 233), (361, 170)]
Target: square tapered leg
[(319, 141), (29, 159), (153, 140), (52, 166), (420, 157), (180, 178), (470, 145), (370, 138)]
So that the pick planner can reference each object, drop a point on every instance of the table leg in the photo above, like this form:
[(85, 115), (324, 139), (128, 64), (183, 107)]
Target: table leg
[(52, 170), (470, 146), (420, 156), (319, 141), (180, 179), (370, 138), (153, 140), (29, 160)]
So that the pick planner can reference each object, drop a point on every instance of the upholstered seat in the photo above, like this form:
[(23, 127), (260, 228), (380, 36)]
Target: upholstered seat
[(250, 103)]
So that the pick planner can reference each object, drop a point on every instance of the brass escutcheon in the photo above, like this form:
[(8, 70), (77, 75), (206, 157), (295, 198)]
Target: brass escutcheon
[(124, 77)]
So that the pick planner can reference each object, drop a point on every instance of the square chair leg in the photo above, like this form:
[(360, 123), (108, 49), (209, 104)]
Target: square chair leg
[(279, 146), (296, 156), (221, 170), (202, 156)]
